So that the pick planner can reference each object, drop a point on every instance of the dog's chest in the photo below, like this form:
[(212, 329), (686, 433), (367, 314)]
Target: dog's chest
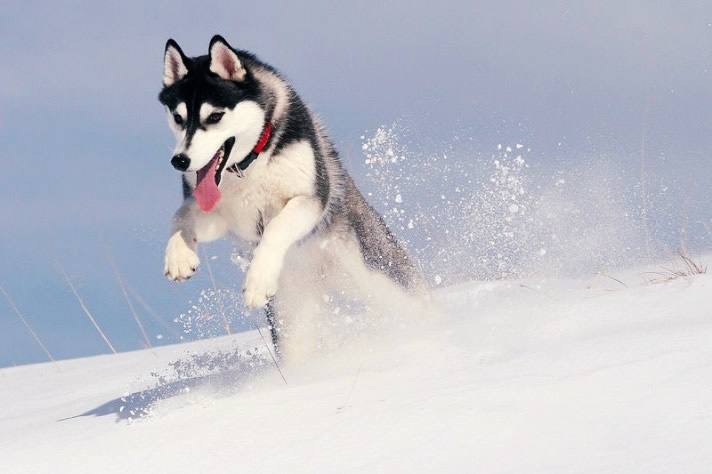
[(247, 207), (248, 204)]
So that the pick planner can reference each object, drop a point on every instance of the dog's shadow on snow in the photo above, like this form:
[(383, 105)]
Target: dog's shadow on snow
[(223, 373)]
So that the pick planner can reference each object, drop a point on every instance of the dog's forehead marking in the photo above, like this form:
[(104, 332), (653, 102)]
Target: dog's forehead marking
[(182, 110)]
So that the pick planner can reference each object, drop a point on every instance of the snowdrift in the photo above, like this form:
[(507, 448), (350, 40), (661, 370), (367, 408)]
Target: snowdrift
[(605, 374)]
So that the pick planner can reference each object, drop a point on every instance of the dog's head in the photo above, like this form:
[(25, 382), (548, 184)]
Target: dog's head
[(212, 105)]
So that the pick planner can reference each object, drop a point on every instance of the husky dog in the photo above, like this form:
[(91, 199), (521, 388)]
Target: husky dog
[(257, 164)]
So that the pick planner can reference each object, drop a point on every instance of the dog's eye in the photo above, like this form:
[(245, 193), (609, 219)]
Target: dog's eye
[(178, 119), (214, 117)]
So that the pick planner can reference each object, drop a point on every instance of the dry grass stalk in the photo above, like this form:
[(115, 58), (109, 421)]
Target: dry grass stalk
[(688, 269)]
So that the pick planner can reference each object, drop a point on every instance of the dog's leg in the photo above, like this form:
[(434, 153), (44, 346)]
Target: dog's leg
[(271, 316), (383, 294), (296, 219), (190, 226)]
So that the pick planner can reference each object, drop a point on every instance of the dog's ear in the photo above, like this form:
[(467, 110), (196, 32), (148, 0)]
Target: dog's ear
[(224, 61), (175, 64)]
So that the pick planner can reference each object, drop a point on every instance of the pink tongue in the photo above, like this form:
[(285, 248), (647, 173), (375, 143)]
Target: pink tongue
[(206, 192)]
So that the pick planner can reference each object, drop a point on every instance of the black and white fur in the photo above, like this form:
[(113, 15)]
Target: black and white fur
[(311, 227)]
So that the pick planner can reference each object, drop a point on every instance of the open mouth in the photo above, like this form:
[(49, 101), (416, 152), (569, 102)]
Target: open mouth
[(206, 191)]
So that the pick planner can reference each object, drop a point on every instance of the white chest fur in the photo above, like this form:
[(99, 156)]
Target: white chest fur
[(250, 202)]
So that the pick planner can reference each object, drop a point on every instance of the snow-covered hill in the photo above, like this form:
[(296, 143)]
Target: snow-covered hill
[(603, 375)]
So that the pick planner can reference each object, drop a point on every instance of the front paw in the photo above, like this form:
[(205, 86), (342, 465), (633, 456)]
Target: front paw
[(181, 261), (261, 282)]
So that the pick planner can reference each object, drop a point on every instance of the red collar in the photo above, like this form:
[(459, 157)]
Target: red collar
[(252, 156), (264, 138)]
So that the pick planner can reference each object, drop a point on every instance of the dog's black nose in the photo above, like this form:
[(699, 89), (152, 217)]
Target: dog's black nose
[(180, 162)]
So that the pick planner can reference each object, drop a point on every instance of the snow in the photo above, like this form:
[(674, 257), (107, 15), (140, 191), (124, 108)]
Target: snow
[(604, 374)]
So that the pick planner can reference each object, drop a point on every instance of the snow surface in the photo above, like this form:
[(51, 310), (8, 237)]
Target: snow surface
[(593, 375)]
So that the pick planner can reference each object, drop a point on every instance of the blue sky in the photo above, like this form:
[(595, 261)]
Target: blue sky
[(85, 148)]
